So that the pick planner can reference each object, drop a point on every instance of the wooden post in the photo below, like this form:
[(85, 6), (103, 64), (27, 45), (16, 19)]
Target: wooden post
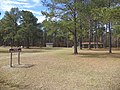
[(14, 50), (83, 46), (18, 57), (10, 59)]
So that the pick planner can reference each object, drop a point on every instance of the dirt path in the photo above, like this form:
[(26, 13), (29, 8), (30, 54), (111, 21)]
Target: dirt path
[(60, 70)]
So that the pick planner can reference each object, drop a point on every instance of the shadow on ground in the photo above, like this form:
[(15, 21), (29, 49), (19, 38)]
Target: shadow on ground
[(23, 66), (18, 66)]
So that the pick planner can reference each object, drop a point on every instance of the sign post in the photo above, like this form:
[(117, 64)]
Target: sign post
[(10, 59), (14, 50), (18, 58)]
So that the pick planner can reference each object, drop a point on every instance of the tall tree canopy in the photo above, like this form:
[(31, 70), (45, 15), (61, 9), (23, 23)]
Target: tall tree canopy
[(19, 28), (84, 16)]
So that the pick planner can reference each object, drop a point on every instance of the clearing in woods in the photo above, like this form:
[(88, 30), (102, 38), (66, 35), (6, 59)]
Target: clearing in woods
[(59, 69)]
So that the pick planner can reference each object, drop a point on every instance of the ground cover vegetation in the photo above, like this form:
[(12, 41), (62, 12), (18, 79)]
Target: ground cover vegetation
[(59, 69)]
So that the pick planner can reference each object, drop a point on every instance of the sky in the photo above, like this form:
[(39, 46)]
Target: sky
[(35, 6)]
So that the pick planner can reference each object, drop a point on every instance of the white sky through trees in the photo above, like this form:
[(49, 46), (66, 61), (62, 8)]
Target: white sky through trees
[(34, 6)]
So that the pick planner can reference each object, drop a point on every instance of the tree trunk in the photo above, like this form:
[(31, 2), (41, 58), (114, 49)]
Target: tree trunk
[(110, 43), (80, 42), (96, 35), (106, 36), (67, 41), (75, 43), (96, 39), (28, 43), (11, 43), (89, 46), (90, 34), (117, 42), (75, 32), (44, 38)]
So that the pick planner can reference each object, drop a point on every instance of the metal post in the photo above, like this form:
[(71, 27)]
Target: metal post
[(11, 59)]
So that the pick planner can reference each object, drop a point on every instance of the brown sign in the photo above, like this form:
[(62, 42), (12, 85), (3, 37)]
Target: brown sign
[(15, 50)]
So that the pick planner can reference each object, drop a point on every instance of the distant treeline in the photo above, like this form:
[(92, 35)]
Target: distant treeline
[(84, 21), (67, 23)]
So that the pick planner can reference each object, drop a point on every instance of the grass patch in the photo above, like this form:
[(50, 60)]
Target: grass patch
[(59, 69), (99, 55)]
